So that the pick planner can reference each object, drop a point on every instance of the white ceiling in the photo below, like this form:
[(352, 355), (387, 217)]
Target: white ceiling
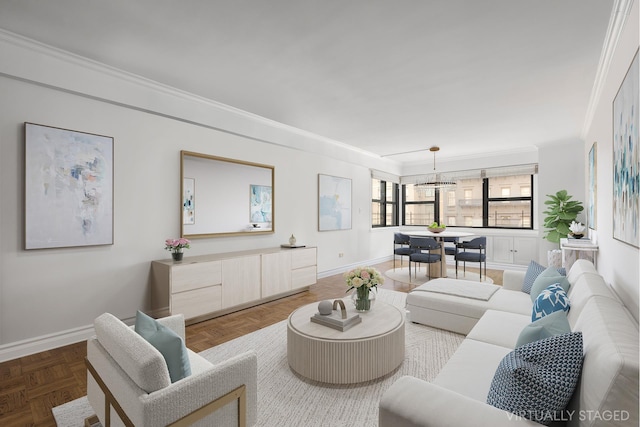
[(386, 76)]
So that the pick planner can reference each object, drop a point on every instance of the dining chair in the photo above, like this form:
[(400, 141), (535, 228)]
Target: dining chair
[(422, 247), (401, 247), (474, 250)]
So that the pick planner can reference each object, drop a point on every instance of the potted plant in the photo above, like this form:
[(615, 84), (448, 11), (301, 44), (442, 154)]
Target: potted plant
[(561, 212)]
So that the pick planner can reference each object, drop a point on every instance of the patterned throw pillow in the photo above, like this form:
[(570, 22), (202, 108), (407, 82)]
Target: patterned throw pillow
[(552, 298), (533, 271), (536, 381)]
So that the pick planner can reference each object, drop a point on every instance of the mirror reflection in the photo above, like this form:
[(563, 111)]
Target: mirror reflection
[(222, 196)]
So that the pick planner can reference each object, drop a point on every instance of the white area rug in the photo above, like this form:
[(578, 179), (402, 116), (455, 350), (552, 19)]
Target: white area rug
[(402, 275), (286, 399)]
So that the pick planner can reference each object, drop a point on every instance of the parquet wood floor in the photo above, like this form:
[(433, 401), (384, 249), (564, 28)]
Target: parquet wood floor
[(30, 386)]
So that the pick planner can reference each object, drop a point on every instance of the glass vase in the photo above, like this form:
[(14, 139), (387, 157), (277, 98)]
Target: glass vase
[(177, 255), (363, 298)]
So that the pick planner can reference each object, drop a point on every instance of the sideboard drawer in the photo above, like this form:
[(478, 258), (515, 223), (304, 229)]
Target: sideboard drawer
[(303, 257), (306, 276), (197, 302), (195, 275)]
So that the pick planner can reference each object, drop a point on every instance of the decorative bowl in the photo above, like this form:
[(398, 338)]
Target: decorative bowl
[(436, 229)]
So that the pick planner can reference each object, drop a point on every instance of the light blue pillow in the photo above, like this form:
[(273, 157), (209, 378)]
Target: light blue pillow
[(555, 323), (168, 343), (546, 278), (552, 298), (533, 270), (536, 381)]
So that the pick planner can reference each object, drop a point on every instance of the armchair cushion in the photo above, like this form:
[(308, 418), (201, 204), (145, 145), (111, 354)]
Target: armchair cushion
[(168, 343), (537, 380)]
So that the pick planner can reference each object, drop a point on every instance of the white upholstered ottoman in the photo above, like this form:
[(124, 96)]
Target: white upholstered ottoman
[(457, 305)]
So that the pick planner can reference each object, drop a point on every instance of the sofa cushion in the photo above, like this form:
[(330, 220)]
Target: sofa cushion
[(533, 271), (142, 362), (548, 277), (470, 370), (537, 380), (500, 327), (168, 343), (555, 323), (552, 298)]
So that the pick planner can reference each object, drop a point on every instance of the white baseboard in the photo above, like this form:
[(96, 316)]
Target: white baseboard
[(42, 343), (348, 267)]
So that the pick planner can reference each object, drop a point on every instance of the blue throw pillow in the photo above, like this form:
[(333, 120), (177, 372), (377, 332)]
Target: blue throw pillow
[(546, 278), (168, 343), (555, 323), (533, 271), (536, 381), (552, 298)]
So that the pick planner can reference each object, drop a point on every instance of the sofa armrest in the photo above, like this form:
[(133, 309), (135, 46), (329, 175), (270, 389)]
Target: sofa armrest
[(175, 323), (512, 280), (411, 402), (195, 391)]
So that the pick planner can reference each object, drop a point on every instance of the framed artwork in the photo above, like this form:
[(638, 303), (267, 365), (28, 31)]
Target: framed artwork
[(626, 176), (188, 201), (593, 187), (334, 203), (68, 178), (261, 203)]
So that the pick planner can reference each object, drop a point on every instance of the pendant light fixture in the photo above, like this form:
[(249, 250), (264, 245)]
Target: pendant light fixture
[(436, 181)]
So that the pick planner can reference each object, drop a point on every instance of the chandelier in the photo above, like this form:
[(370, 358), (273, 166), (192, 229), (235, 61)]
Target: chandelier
[(436, 181)]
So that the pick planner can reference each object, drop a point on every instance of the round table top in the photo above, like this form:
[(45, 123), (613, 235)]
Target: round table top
[(445, 233), (381, 319)]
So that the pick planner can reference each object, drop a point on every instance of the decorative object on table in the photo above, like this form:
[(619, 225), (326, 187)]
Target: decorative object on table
[(177, 246), (334, 203), (68, 183), (592, 208), (292, 240), (188, 201), (436, 228), (577, 230), (561, 212), (363, 281), (626, 157), (328, 315)]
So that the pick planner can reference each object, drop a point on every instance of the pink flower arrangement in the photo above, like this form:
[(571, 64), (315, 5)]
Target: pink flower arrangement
[(176, 245)]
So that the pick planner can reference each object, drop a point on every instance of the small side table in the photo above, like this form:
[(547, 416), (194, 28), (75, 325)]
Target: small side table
[(574, 249)]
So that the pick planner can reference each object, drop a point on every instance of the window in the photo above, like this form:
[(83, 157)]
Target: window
[(419, 205), (384, 203), (499, 198)]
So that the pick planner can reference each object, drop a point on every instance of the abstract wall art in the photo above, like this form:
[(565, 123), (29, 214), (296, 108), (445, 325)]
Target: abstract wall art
[(68, 179), (261, 204), (188, 201), (593, 187), (626, 159), (334, 203)]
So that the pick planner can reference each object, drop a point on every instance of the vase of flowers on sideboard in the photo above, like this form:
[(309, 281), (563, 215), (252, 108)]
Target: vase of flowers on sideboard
[(177, 247)]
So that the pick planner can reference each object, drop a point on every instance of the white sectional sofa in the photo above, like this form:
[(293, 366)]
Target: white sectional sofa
[(606, 393)]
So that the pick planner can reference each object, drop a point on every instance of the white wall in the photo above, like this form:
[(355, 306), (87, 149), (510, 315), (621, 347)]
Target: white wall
[(618, 262), (50, 297)]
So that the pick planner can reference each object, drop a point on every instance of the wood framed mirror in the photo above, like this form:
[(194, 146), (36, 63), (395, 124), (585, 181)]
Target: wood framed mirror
[(225, 197)]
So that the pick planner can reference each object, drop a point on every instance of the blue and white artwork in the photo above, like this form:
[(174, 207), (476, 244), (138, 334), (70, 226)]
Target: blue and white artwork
[(334, 203), (188, 201), (68, 188), (593, 187), (261, 204), (626, 159)]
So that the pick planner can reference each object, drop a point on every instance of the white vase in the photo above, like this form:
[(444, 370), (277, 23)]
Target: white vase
[(292, 240), (554, 258)]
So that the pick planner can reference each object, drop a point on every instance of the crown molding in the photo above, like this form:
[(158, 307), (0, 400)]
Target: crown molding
[(131, 91), (619, 16)]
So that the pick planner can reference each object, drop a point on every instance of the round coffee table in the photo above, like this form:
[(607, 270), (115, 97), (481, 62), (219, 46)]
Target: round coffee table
[(366, 351)]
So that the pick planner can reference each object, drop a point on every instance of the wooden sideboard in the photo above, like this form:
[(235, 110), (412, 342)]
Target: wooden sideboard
[(207, 286)]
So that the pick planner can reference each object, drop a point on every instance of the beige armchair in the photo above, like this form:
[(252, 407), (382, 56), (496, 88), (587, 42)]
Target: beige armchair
[(128, 382)]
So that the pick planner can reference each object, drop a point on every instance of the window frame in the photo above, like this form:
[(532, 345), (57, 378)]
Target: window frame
[(383, 204)]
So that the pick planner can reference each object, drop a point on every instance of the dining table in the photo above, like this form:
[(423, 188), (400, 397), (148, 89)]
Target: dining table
[(439, 236)]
